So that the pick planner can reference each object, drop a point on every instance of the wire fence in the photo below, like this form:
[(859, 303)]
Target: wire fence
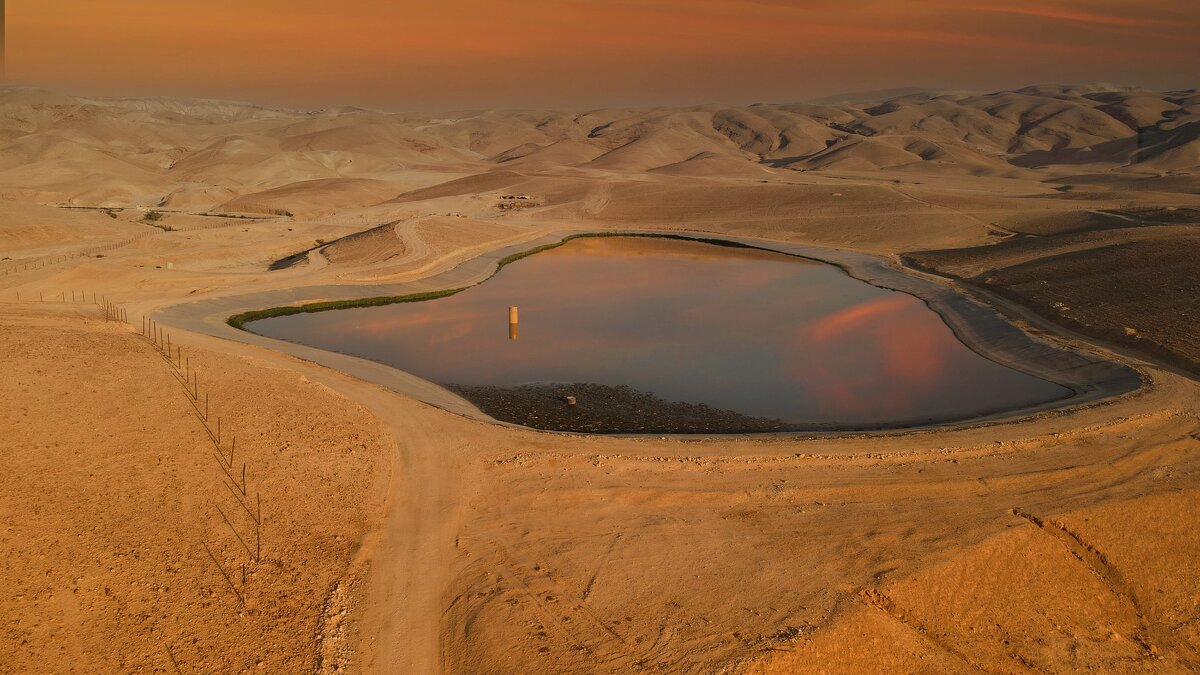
[(15, 267), (242, 518)]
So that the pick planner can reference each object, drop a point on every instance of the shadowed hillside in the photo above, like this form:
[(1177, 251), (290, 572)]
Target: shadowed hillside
[(238, 157)]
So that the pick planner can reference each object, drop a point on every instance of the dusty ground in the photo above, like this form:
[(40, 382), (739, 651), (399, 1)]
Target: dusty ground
[(401, 538), (115, 495)]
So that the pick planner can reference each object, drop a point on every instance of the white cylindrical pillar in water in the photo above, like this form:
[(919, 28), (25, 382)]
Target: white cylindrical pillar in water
[(512, 322)]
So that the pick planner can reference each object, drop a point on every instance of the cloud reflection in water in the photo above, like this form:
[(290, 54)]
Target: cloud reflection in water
[(757, 332)]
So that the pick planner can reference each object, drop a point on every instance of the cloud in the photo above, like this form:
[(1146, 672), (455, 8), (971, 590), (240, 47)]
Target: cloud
[(1067, 13), (589, 53), (881, 356)]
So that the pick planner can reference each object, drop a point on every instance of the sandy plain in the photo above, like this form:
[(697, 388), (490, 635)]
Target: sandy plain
[(397, 536)]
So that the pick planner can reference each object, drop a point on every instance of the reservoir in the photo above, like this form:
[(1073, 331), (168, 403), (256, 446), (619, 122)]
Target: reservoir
[(658, 335)]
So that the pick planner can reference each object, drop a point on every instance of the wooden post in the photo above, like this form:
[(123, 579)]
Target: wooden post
[(222, 571), (243, 478), (512, 322), (173, 662)]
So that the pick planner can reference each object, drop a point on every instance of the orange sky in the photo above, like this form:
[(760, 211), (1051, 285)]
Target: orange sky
[(441, 54)]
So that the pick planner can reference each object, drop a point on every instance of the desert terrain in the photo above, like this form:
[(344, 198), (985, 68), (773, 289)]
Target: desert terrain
[(211, 505)]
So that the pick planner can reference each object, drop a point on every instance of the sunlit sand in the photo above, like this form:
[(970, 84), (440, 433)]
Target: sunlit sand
[(402, 531)]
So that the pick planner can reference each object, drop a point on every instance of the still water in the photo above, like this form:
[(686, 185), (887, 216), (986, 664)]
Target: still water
[(756, 332)]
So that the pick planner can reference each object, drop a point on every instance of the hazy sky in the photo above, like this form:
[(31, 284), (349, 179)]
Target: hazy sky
[(441, 54)]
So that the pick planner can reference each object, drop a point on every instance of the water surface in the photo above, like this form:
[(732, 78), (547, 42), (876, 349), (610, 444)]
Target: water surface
[(756, 332)]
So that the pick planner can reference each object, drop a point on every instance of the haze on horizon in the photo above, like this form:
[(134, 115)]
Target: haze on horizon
[(588, 53)]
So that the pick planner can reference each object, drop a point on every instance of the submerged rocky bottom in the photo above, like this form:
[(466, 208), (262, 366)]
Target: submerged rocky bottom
[(605, 409)]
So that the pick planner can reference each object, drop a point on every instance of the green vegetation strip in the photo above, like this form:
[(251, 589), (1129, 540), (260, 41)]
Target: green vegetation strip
[(239, 321)]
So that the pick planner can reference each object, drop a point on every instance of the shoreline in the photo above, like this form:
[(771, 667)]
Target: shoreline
[(983, 329), (621, 410)]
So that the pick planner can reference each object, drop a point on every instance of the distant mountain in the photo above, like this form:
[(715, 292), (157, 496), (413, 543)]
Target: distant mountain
[(209, 154)]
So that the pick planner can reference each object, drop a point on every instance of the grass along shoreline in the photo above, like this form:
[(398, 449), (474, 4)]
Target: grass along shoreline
[(239, 321)]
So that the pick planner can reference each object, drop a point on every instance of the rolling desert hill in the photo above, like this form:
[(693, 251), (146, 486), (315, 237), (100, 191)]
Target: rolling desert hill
[(147, 152), (398, 536), (895, 172)]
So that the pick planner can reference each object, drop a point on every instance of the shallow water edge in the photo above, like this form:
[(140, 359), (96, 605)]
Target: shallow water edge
[(1090, 376)]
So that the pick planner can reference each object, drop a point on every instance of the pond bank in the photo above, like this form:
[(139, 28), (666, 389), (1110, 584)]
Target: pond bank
[(982, 328)]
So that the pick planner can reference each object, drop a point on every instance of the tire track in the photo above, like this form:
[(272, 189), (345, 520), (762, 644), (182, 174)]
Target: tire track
[(575, 620), (591, 582), (1150, 636), (881, 601)]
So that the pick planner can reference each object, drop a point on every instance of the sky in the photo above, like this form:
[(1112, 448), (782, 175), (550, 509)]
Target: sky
[(457, 54)]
